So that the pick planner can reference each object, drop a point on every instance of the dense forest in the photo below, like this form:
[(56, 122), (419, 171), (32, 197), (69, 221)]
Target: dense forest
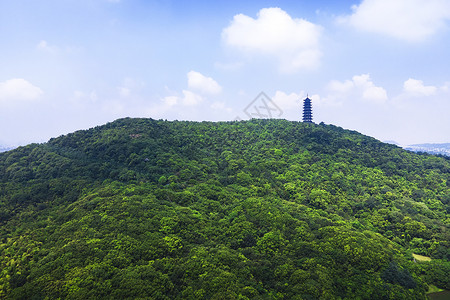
[(259, 209)]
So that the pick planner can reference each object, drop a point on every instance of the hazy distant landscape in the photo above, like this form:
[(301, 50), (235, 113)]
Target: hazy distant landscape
[(4, 148), (442, 149)]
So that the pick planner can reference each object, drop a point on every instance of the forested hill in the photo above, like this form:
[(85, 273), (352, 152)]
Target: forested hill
[(260, 209)]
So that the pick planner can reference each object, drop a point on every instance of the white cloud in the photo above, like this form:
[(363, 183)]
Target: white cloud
[(293, 42), (129, 86), (370, 92), (417, 88), (189, 98), (44, 46), (341, 87), (360, 86), (291, 104), (185, 106), (18, 89), (203, 84), (221, 106), (114, 107), (410, 20), (192, 103), (446, 87), (80, 97), (170, 100), (375, 93), (409, 113), (288, 101), (329, 101), (124, 91)]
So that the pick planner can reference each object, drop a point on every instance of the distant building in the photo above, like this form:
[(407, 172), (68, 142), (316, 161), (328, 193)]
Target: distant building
[(307, 110)]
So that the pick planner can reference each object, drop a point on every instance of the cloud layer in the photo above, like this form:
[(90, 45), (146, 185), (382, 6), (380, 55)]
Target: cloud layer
[(199, 86), (416, 87), (410, 20), (361, 87), (185, 105), (203, 84), (18, 90), (293, 42)]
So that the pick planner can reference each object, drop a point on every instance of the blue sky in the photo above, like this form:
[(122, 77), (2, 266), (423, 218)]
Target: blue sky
[(380, 67)]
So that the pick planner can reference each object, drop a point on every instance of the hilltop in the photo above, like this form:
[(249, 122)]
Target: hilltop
[(260, 209)]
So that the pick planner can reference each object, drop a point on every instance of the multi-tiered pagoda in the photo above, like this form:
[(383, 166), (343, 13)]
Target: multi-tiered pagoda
[(307, 110)]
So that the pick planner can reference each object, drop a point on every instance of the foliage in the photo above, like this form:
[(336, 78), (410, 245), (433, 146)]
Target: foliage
[(260, 209)]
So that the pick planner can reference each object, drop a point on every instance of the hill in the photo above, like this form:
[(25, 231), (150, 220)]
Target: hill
[(4, 148), (260, 209), (440, 149)]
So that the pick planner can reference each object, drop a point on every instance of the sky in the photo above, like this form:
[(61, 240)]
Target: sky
[(380, 67)]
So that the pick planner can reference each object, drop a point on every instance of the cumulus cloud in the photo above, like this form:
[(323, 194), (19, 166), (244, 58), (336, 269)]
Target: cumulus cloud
[(18, 89), (410, 20), (370, 92), (288, 101), (408, 109), (221, 106), (184, 105), (124, 91), (329, 101), (291, 104), (293, 42), (360, 86), (446, 87), (191, 103), (129, 86), (170, 100), (44, 46), (341, 87), (199, 86), (80, 97), (417, 88), (203, 84), (188, 98)]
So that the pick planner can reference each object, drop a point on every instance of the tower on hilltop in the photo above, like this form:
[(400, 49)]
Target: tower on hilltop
[(307, 110)]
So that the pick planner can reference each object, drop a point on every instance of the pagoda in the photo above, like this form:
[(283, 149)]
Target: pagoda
[(307, 110)]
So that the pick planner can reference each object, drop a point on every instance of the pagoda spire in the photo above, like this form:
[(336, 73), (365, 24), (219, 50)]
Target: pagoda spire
[(307, 110)]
